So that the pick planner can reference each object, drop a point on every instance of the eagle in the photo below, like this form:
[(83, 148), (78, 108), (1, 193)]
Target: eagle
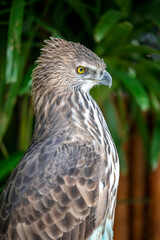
[(65, 186)]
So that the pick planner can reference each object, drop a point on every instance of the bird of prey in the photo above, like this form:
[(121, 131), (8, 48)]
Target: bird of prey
[(65, 186)]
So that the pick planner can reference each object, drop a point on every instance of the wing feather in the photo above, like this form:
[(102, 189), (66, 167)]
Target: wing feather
[(52, 194)]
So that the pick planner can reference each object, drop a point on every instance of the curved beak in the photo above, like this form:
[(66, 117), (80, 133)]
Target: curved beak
[(106, 79)]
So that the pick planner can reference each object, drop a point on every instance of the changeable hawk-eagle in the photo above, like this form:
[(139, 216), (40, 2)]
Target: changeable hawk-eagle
[(65, 186)]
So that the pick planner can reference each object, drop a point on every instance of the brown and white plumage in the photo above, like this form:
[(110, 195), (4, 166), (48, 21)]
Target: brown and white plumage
[(65, 185)]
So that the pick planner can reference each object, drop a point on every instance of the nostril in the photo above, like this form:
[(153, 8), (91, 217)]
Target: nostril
[(101, 73)]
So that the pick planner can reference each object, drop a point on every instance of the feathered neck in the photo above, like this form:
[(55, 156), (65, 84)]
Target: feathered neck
[(69, 113)]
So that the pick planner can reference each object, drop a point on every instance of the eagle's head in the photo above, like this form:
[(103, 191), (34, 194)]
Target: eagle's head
[(70, 66)]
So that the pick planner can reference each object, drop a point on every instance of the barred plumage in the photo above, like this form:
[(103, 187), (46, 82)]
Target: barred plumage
[(65, 186)]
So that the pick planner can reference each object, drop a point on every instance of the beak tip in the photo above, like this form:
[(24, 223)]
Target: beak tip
[(110, 83), (108, 79)]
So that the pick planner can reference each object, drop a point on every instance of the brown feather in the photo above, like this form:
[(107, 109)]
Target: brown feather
[(65, 185)]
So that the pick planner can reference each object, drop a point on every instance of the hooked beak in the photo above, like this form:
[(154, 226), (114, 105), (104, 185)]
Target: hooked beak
[(105, 79)]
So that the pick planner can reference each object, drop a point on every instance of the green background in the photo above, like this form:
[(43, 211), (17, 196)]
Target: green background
[(125, 33)]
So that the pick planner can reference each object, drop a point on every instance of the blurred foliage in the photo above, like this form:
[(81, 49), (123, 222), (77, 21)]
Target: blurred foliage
[(125, 33)]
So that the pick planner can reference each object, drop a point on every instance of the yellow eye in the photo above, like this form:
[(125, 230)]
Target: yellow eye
[(80, 70)]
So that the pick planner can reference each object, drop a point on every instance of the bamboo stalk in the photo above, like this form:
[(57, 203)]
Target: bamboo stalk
[(137, 187), (121, 227), (154, 207)]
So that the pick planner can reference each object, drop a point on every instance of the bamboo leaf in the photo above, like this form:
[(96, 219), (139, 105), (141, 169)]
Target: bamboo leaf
[(14, 41), (27, 81), (148, 74), (8, 164), (155, 146), (112, 120), (106, 23), (124, 5), (153, 14), (13, 64), (117, 34), (47, 27), (140, 50), (155, 102), (114, 127), (137, 90), (144, 131)]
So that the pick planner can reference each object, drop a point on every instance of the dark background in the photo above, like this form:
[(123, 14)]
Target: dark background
[(126, 34)]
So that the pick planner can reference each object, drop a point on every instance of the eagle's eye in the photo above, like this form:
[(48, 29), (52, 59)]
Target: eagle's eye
[(80, 70)]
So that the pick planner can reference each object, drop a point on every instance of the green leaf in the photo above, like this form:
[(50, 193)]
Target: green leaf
[(14, 41), (155, 146), (13, 63), (27, 81), (100, 94), (47, 27), (114, 127), (137, 90), (112, 120), (119, 33), (7, 165), (155, 102), (148, 73), (107, 21), (140, 50), (144, 131), (153, 14), (124, 5)]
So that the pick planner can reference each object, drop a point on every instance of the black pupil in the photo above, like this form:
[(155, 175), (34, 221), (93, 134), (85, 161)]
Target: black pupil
[(81, 69)]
